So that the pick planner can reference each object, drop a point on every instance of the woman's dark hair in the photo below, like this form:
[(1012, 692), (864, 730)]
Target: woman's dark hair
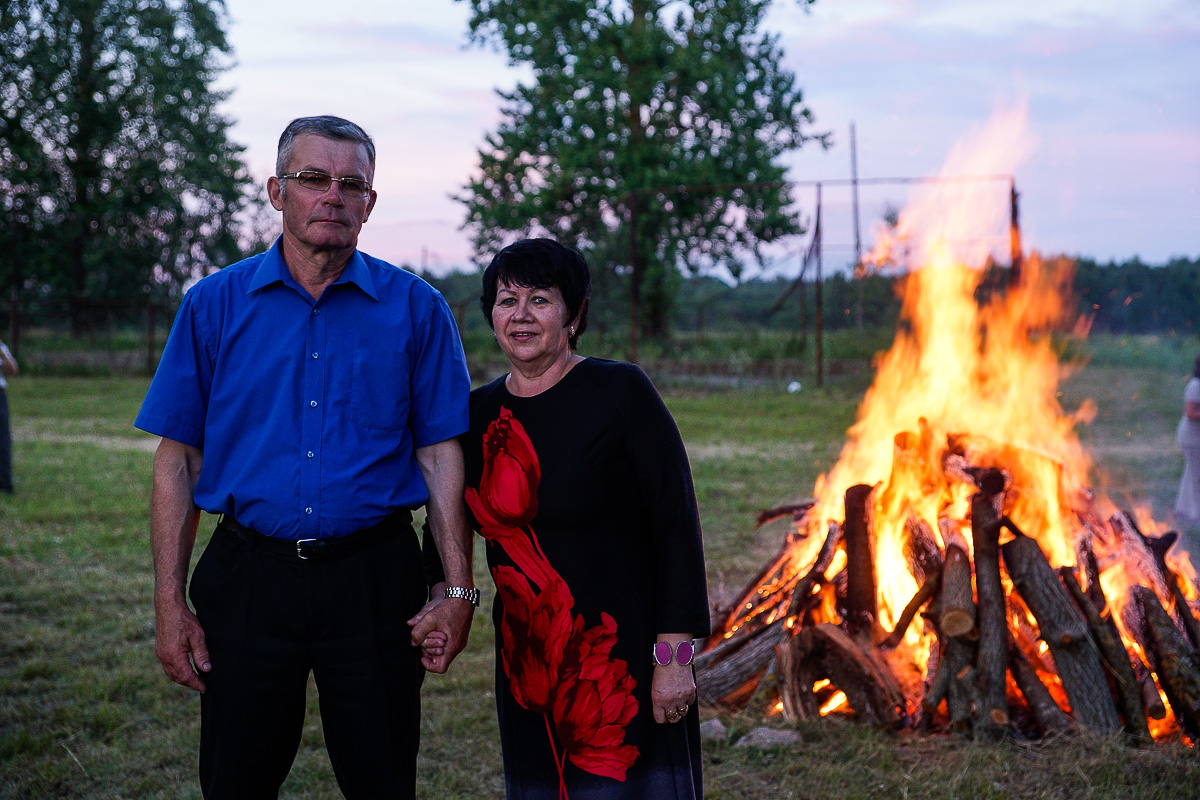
[(541, 264)]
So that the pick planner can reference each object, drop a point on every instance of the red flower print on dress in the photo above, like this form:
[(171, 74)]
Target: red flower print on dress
[(507, 495), (534, 631), (506, 500), (552, 664), (595, 702)]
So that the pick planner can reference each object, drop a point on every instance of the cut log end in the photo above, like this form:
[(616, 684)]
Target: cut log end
[(957, 622)]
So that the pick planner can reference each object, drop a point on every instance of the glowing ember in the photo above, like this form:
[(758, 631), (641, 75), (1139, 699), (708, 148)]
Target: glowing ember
[(834, 703)]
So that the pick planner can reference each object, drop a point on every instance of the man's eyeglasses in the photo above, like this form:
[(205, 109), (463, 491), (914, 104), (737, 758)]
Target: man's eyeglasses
[(320, 182)]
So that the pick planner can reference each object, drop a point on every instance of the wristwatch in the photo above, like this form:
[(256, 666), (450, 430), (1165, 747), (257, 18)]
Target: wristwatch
[(459, 593)]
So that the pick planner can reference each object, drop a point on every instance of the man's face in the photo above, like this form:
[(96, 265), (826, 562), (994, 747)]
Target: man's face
[(329, 220)]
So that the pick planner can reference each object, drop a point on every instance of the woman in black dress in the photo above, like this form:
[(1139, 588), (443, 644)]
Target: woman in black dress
[(577, 477)]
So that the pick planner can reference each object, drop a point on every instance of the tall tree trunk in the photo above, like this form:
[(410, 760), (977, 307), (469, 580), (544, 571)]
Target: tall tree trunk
[(84, 169), (634, 179)]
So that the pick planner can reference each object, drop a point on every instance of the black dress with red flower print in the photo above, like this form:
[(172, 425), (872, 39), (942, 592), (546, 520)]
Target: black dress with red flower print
[(585, 498)]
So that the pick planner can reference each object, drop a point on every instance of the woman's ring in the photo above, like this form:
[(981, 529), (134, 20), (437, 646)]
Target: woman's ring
[(681, 710)]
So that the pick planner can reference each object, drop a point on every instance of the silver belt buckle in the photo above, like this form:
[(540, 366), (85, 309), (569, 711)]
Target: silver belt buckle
[(299, 552)]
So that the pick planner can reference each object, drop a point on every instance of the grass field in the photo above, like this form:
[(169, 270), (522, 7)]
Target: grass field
[(85, 711)]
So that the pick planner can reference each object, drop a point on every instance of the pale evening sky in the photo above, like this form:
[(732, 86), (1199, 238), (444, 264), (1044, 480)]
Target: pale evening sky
[(1112, 90)]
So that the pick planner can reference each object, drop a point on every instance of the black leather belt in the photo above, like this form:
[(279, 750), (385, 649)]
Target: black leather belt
[(317, 549)]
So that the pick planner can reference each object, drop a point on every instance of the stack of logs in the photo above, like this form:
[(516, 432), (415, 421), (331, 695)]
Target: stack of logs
[(775, 644)]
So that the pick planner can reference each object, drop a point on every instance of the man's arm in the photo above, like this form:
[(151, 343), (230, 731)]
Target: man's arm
[(441, 465), (179, 639)]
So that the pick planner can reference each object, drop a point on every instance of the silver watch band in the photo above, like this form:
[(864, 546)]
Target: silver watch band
[(461, 593)]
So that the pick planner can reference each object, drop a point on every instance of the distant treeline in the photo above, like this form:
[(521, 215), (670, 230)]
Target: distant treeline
[(1128, 297), (1133, 297)]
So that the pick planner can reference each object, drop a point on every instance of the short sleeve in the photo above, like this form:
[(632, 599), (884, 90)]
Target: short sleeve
[(441, 385), (177, 402), (1191, 392)]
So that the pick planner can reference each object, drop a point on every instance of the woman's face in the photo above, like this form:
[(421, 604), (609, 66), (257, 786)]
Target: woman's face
[(530, 324)]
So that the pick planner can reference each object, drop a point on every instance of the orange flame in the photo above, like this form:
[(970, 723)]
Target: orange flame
[(982, 376), (970, 383)]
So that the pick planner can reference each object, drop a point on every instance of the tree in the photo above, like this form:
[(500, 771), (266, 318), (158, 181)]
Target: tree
[(118, 175), (650, 136)]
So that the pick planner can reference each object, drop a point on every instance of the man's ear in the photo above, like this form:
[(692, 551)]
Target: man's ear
[(370, 205), (275, 192)]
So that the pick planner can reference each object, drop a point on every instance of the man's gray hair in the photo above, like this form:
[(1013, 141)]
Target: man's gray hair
[(325, 126)]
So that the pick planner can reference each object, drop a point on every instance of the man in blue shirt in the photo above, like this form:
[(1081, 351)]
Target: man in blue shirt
[(311, 396)]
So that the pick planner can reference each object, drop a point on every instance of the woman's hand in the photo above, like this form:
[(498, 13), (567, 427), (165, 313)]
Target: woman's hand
[(673, 689)]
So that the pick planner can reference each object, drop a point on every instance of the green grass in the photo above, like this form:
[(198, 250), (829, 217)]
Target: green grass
[(85, 710)]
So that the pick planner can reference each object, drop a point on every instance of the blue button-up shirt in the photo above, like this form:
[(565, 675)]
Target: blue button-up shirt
[(308, 412)]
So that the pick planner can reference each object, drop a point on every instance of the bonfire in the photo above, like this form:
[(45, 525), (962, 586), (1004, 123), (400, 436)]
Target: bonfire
[(955, 569)]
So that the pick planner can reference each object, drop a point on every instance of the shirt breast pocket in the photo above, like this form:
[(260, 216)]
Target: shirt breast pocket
[(379, 388)]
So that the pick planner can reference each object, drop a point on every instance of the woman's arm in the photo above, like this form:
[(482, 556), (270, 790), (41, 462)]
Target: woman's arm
[(674, 685), (664, 478)]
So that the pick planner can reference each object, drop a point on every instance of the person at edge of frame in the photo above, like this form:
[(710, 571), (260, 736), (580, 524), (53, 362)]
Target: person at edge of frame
[(311, 396), (1187, 435), (8, 368)]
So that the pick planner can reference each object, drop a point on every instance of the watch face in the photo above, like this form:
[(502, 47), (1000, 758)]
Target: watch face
[(662, 653), (684, 652)]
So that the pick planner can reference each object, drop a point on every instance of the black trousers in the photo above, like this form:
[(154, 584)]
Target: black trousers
[(270, 619)]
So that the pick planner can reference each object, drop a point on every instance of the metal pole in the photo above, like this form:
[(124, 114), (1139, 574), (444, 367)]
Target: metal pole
[(860, 278), (803, 292), (854, 190), (1014, 235), (819, 297)]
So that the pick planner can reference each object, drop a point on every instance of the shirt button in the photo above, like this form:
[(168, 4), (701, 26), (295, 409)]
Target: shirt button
[(312, 403), (310, 453), (308, 510), (316, 312), (315, 355)]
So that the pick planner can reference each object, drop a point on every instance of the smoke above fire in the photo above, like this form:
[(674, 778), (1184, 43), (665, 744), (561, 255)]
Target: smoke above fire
[(961, 217)]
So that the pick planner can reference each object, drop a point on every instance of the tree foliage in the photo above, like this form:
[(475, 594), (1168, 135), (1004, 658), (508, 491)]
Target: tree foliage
[(1134, 297), (115, 167), (671, 115), (1130, 297)]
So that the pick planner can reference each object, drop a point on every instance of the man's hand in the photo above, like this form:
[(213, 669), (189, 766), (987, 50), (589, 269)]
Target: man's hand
[(441, 465), (441, 629), (178, 637), (179, 645)]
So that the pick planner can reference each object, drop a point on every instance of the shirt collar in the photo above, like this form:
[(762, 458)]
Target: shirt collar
[(272, 269)]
